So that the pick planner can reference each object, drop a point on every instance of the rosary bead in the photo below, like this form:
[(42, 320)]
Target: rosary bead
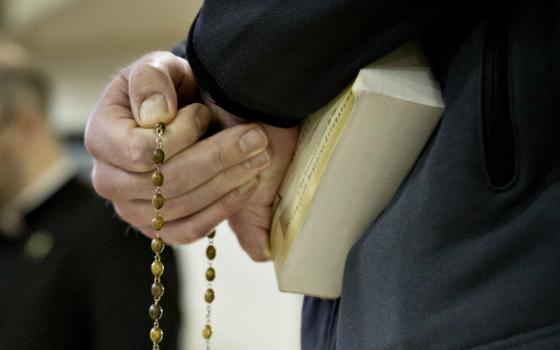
[(157, 268), (160, 125), (211, 252), (157, 178), (210, 274), (158, 156), (157, 201), (155, 311), (158, 222), (212, 234), (209, 295), (207, 332), (157, 245), (156, 334), (157, 290)]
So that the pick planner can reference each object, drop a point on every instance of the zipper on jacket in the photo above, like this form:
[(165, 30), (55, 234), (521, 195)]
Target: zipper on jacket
[(496, 114)]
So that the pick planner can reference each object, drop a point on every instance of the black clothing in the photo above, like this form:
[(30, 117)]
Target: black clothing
[(467, 254), (91, 290), (279, 61)]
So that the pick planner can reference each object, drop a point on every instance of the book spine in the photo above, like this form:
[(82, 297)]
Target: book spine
[(324, 138)]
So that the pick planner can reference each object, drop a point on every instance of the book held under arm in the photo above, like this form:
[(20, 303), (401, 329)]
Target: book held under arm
[(351, 157)]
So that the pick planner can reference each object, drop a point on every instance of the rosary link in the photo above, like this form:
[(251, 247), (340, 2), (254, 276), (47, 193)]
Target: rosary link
[(157, 245), (209, 295)]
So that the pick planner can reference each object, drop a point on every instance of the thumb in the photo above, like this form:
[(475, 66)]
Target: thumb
[(155, 83)]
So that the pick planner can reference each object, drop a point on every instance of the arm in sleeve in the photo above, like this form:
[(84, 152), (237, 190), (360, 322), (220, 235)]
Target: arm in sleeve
[(278, 61)]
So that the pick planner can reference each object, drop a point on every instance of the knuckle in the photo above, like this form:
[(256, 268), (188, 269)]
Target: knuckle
[(229, 203), (101, 186), (222, 154), (146, 70), (196, 108), (200, 109), (138, 154)]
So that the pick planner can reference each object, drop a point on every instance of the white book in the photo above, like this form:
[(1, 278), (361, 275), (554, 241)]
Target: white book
[(351, 157)]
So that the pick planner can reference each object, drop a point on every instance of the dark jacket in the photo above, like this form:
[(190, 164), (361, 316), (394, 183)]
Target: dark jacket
[(467, 254), (90, 290)]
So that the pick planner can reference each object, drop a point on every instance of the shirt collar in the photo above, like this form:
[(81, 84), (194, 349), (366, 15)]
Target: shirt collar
[(33, 195)]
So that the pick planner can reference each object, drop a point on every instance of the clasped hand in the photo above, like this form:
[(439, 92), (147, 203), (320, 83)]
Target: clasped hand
[(233, 174)]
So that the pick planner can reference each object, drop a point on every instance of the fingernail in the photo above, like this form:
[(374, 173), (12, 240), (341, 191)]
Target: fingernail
[(253, 140), (247, 187), (153, 109), (258, 161)]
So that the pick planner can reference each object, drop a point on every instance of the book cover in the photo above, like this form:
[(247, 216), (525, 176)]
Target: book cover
[(350, 159)]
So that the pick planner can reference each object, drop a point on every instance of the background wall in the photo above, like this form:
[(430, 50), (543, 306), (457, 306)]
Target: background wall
[(81, 43)]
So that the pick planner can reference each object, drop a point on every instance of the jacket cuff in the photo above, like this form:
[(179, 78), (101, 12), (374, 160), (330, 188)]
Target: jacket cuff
[(213, 91)]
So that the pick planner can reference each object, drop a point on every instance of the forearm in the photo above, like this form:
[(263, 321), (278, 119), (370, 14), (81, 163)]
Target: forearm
[(278, 63)]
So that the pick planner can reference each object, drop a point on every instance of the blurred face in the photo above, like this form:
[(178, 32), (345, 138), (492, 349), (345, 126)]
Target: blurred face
[(10, 167)]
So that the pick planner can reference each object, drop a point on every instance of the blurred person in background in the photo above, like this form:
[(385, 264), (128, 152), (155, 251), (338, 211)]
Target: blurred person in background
[(73, 275)]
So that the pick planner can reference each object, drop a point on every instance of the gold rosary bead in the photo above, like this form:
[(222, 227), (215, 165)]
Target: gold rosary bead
[(158, 222), (157, 245), (209, 295), (210, 274), (157, 290), (212, 234), (157, 268), (158, 201), (158, 156), (211, 252), (156, 335), (155, 311), (157, 178), (160, 125), (207, 332)]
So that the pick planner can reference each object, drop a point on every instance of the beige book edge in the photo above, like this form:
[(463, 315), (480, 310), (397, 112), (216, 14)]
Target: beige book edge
[(351, 157)]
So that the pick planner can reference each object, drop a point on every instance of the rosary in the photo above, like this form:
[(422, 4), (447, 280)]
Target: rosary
[(156, 311)]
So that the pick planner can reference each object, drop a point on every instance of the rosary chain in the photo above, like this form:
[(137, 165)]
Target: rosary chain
[(210, 295), (157, 245)]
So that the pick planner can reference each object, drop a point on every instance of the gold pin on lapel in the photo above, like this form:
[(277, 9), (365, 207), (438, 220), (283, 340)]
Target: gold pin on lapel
[(39, 245)]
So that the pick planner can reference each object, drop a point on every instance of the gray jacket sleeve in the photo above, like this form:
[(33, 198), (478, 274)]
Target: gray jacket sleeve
[(278, 61)]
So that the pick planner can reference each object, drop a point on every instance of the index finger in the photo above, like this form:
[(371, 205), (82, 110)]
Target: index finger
[(113, 136)]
